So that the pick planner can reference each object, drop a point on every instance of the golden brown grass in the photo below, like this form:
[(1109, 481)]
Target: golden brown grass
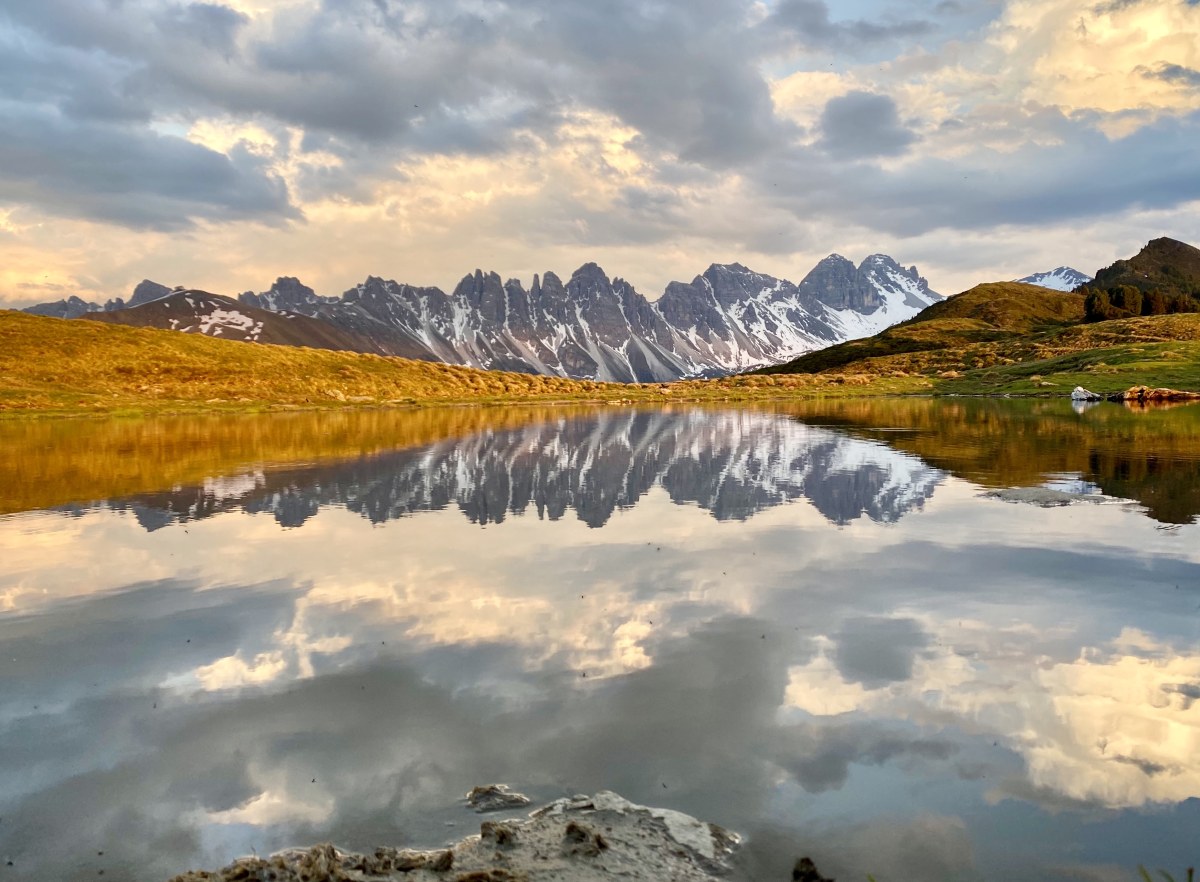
[(50, 366)]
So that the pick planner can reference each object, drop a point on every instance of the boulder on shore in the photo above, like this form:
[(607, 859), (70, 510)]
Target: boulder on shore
[(1145, 393), (582, 839)]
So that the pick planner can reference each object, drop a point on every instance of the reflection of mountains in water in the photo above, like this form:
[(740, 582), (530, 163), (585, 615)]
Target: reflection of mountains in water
[(732, 464)]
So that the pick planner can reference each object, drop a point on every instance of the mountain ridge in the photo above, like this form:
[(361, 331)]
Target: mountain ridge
[(726, 320)]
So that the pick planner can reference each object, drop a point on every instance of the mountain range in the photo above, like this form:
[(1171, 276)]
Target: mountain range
[(727, 319)]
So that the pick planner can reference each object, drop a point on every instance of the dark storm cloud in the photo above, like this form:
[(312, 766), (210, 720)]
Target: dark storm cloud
[(860, 124)]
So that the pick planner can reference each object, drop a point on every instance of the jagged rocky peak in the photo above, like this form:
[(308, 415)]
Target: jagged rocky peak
[(886, 275), (71, 307), (483, 293), (733, 283), (590, 280), (147, 292), (287, 294), (839, 284)]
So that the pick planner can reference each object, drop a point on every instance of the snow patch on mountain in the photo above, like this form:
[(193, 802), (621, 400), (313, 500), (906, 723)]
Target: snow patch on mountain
[(1062, 278)]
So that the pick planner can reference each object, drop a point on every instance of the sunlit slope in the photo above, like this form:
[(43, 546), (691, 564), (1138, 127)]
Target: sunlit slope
[(49, 364), (989, 313), (1010, 337)]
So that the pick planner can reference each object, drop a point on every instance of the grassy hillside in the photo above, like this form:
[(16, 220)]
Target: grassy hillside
[(986, 314), (56, 364), (50, 365), (1013, 338), (1167, 265)]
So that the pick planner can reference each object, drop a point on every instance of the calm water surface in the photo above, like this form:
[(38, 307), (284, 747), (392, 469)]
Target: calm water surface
[(809, 624)]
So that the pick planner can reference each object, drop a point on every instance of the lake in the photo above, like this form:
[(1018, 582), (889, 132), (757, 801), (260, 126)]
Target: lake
[(831, 627)]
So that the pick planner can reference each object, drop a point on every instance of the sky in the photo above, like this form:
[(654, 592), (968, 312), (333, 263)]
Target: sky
[(219, 145)]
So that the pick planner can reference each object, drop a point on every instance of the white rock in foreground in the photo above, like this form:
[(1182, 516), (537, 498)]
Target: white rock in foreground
[(1081, 394), (584, 839)]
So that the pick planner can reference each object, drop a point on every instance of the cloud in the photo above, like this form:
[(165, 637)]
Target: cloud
[(654, 137), (875, 651), (1085, 175), (133, 178), (809, 20), (862, 124), (1172, 73)]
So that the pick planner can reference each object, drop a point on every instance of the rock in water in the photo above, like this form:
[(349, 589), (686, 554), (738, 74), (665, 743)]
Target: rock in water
[(495, 798), (1146, 394), (806, 871), (583, 839), (1081, 394)]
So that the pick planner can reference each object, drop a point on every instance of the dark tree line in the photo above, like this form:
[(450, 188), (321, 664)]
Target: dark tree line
[(1124, 301)]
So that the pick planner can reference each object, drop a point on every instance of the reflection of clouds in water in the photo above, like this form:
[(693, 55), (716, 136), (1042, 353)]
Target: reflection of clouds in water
[(731, 662), (1116, 727)]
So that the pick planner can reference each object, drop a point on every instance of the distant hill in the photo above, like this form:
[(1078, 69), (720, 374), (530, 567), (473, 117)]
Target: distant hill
[(1063, 278), (76, 307), (986, 313), (1164, 264), (199, 312)]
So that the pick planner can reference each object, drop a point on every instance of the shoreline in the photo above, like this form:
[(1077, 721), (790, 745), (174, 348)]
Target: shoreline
[(576, 839)]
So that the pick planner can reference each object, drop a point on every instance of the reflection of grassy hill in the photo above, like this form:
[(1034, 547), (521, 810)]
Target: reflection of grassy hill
[(1016, 338), (55, 462), (1151, 457)]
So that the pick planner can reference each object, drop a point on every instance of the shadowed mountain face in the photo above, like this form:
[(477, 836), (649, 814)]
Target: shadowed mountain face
[(587, 327), (730, 464)]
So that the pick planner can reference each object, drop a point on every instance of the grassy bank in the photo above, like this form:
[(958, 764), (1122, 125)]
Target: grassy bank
[(53, 366), (58, 367)]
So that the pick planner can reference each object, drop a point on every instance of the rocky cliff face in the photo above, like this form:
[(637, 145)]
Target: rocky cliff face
[(725, 320)]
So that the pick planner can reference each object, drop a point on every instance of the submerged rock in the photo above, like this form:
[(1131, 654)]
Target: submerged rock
[(495, 798), (582, 839), (1046, 497)]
